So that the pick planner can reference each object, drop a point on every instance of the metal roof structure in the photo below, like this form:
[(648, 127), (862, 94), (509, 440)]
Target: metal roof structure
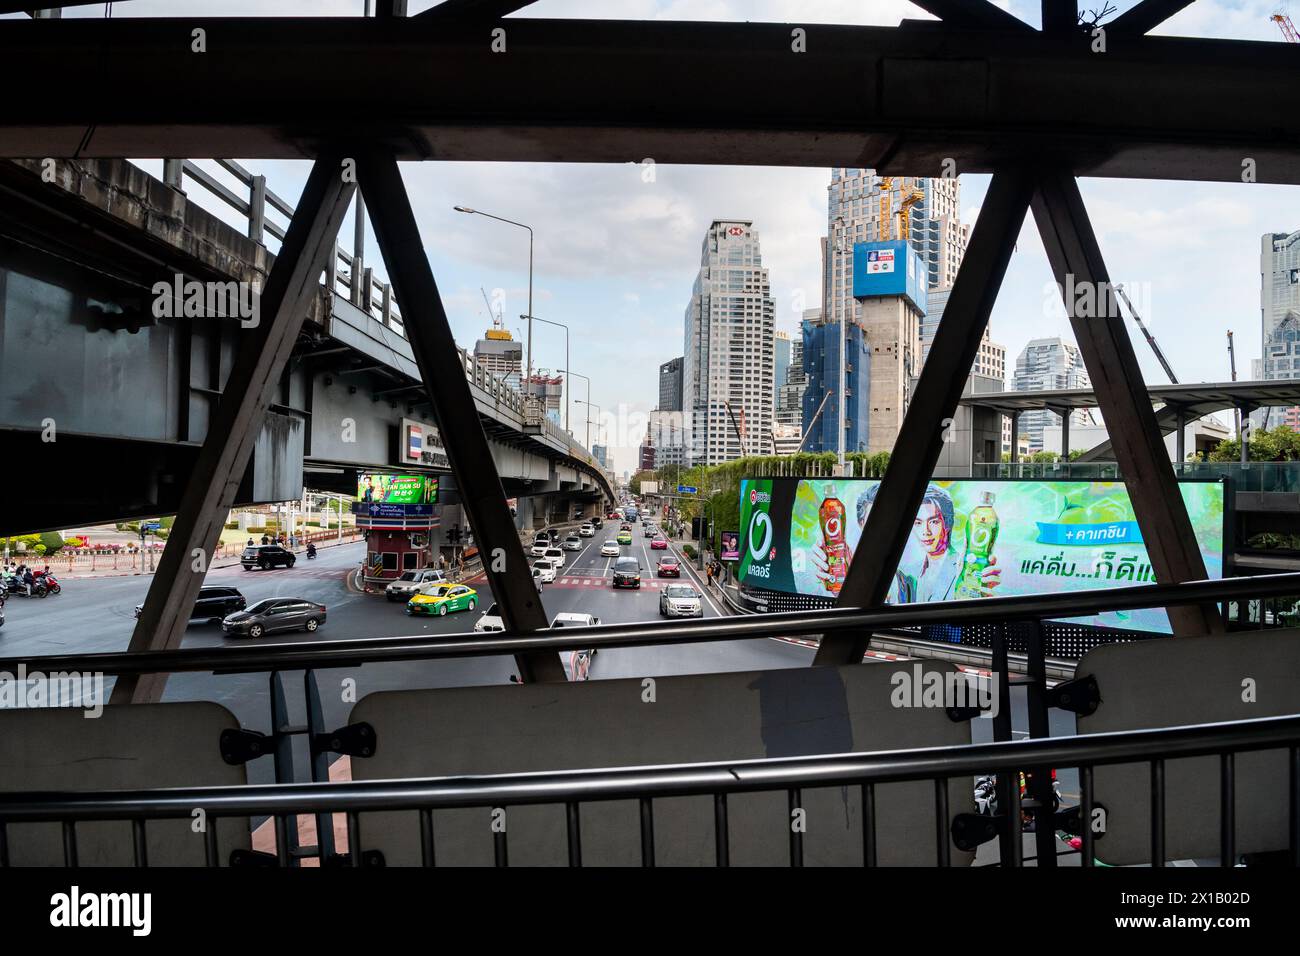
[(1195, 400)]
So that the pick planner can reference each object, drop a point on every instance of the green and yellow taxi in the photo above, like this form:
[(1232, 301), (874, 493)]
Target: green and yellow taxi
[(441, 598), (625, 537)]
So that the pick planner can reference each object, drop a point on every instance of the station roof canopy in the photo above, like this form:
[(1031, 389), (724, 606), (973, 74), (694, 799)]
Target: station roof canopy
[(1198, 399)]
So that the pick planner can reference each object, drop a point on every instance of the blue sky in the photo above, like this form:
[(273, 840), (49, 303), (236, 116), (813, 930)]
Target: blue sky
[(616, 256)]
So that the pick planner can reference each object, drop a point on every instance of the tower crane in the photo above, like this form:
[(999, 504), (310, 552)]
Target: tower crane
[(1286, 26), (1151, 339)]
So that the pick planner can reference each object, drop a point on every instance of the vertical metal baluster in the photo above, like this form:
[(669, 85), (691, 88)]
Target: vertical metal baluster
[(426, 837), (69, 843), (943, 852), (1295, 812), (1085, 811), (575, 833), (282, 839), (210, 855), (721, 830), (796, 836), (647, 832), (1017, 843), (868, 824), (354, 838), (139, 842), (1227, 810), (500, 851), (1157, 813), (4, 843)]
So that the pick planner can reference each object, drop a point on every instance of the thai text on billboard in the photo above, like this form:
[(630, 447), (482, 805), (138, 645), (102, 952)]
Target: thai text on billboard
[(971, 539)]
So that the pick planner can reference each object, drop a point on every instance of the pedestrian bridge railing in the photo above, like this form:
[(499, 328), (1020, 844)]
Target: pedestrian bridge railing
[(606, 765)]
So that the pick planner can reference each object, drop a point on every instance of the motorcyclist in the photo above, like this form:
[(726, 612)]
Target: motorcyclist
[(311, 549), (29, 580)]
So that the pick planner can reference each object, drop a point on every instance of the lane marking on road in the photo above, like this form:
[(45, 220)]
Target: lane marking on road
[(704, 592)]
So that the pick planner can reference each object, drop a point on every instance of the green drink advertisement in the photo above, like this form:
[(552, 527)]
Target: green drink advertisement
[(970, 539), (398, 489)]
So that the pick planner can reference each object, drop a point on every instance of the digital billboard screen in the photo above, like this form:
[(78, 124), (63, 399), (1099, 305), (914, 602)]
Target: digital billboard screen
[(971, 539), (731, 546), (398, 489)]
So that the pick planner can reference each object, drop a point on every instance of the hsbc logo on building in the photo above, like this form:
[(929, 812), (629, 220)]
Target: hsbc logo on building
[(756, 496), (736, 232)]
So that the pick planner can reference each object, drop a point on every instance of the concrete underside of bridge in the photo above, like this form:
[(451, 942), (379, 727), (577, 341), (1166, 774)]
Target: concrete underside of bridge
[(105, 404)]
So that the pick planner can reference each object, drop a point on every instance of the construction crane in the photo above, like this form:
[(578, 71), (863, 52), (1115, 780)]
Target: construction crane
[(1286, 26), (498, 323), (1151, 340), (886, 209), (1232, 367), (905, 212)]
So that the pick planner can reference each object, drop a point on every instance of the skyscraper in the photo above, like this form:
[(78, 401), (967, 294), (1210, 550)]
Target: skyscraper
[(500, 355), (790, 389), (1279, 308), (990, 360), (670, 385), (728, 369), (821, 367), (934, 226), (1048, 364)]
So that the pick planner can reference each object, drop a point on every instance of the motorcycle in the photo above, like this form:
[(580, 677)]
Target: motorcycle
[(311, 551), (14, 586), (50, 582)]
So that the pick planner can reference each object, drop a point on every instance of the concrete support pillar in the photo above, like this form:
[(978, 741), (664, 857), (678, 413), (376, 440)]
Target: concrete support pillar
[(1015, 437)]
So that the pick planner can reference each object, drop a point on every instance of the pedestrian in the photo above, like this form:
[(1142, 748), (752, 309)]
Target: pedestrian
[(250, 543), (708, 570), (265, 539), (460, 564)]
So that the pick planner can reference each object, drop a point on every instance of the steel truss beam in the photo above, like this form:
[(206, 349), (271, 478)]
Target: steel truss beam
[(1103, 340), (438, 358), (906, 99), (933, 405), (972, 14), (249, 390), (1147, 15)]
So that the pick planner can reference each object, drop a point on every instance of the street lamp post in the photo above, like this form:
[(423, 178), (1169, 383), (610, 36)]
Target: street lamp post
[(479, 212), (578, 400), (590, 406), (567, 395), (839, 259)]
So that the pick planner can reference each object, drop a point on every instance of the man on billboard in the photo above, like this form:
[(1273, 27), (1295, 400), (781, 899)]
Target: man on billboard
[(933, 574)]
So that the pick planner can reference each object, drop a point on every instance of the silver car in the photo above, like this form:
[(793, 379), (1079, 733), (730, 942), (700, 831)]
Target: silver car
[(411, 581), (680, 600)]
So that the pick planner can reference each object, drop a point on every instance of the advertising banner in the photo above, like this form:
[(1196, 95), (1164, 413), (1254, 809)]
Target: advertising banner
[(422, 445), (970, 539), (731, 546), (398, 489)]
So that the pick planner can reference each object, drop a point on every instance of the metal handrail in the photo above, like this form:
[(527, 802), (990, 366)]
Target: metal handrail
[(359, 651), (647, 783)]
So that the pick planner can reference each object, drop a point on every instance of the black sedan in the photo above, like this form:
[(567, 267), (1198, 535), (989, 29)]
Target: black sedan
[(275, 614), (212, 604)]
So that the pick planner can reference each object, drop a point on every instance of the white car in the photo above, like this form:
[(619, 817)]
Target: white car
[(587, 531), (411, 581), (577, 665), (546, 568), (540, 548), (680, 600), (490, 621), (610, 549), (555, 556), (573, 543)]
